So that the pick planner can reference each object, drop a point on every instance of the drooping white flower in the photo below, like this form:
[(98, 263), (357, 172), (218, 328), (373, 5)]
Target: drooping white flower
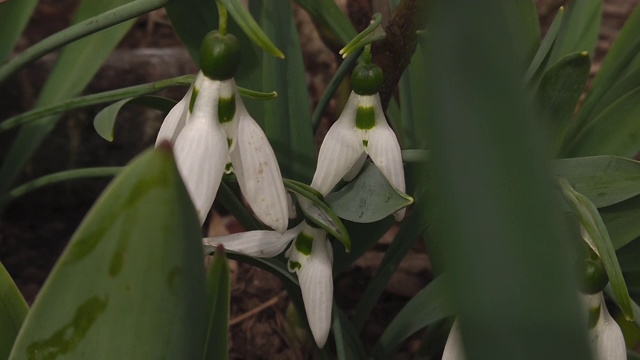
[(310, 257), (453, 349), (605, 336), (210, 127), (360, 130)]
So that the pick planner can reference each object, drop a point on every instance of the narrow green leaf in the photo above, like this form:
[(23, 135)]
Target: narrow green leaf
[(620, 56), (345, 334), (622, 222), (58, 177), (14, 16), (628, 256), (372, 33), (605, 180), (218, 299), (363, 237), (579, 30), (409, 233), (559, 91), (521, 18), (634, 305), (246, 22), (287, 119), (13, 310), (318, 212), (411, 132), (616, 131), (104, 20), (235, 206), (76, 65), (329, 15), (131, 275), (545, 46), (497, 213), (368, 198), (105, 121), (426, 307), (593, 224)]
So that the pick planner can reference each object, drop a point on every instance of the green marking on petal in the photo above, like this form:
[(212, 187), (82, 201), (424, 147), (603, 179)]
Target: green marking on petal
[(228, 168), (226, 109), (594, 316), (304, 243), (365, 143), (294, 265), (229, 143), (365, 117), (194, 95)]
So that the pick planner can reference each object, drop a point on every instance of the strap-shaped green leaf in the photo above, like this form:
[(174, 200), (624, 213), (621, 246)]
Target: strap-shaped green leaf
[(537, 64), (14, 16), (329, 15), (605, 180), (105, 121), (368, 198), (250, 27), (13, 310), (131, 275), (426, 307), (218, 300), (593, 224), (559, 91), (622, 222)]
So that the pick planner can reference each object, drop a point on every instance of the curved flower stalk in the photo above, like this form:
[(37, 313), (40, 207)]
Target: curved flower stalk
[(210, 128), (310, 257), (360, 130)]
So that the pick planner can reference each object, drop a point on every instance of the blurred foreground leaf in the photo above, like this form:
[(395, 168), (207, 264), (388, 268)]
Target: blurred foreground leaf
[(130, 284)]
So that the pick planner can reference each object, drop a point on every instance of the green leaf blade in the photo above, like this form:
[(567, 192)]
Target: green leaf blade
[(131, 275), (219, 293), (13, 310)]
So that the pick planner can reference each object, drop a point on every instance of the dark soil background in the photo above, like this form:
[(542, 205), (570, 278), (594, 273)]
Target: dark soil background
[(35, 228)]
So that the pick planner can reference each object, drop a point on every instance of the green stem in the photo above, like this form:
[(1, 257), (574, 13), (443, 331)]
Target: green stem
[(222, 16), (78, 31), (56, 178), (342, 71), (366, 57), (94, 99)]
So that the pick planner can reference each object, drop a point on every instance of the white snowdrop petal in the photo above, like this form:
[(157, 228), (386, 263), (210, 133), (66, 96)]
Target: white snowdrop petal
[(175, 120), (355, 169), (201, 151), (260, 243), (454, 349), (606, 337), (316, 282), (340, 150), (258, 173)]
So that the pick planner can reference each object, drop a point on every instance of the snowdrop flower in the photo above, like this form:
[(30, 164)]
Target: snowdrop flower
[(210, 128), (605, 336), (310, 257), (360, 130), (453, 349)]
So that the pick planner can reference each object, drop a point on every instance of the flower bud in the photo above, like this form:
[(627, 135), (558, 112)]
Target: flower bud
[(366, 79), (219, 56)]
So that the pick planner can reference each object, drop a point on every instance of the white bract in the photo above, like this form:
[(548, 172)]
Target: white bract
[(209, 128), (360, 130), (310, 257)]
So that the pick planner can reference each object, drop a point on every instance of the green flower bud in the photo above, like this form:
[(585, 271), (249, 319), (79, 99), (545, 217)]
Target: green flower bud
[(219, 56), (366, 79), (593, 276)]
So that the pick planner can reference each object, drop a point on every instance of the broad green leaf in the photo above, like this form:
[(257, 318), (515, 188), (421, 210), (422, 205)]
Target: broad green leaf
[(559, 91), (94, 99), (74, 68), (629, 258), (594, 226), (329, 15), (368, 198), (605, 180), (626, 84), (218, 299), (409, 233), (13, 310), (426, 307), (14, 16), (54, 178), (287, 119), (616, 131), (497, 216), (579, 30), (523, 30), (250, 27), (105, 121), (550, 37), (622, 221), (78, 31), (131, 275), (620, 56), (319, 213)]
